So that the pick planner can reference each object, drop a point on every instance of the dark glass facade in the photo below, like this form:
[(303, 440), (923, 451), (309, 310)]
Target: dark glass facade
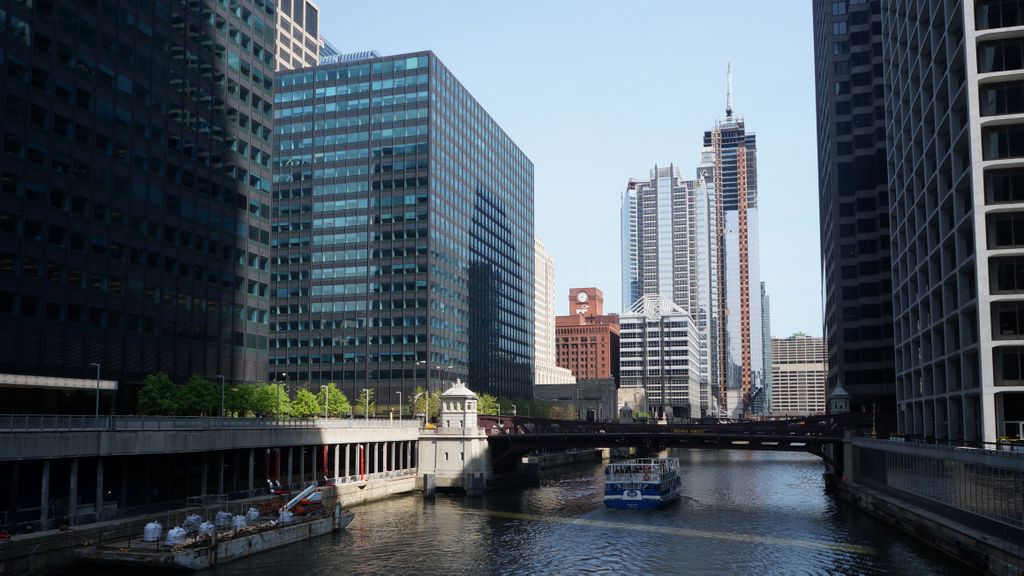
[(135, 200), (402, 239), (854, 205)]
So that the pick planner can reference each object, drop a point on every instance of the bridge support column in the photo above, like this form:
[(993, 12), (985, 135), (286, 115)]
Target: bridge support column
[(375, 446), (99, 489), (202, 481), (313, 467), (347, 450), (252, 469), (337, 453), (73, 494), (44, 496), (393, 450)]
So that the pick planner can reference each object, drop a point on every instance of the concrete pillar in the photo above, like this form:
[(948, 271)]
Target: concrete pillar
[(44, 496), (376, 456), (337, 453), (393, 450), (291, 456), (252, 468), (73, 493), (99, 489), (314, 472), (220, 473), (203, 480), (408, 453), (347, 450)]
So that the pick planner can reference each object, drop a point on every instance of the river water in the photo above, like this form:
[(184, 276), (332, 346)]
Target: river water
[(757, 513)]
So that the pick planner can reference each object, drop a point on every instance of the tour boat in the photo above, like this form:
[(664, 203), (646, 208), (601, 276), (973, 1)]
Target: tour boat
[(642, 483)]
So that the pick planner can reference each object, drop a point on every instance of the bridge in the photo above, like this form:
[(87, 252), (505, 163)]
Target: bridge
[(512, 437)]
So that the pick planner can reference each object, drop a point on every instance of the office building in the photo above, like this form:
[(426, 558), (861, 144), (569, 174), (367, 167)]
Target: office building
[(298, 34), (956, 189), (762, 403), (403, 244), (587, 338), (546, 369), (798, 376), (853, 204), (740, 358), (135, 211), (668, 226), (659, 351)]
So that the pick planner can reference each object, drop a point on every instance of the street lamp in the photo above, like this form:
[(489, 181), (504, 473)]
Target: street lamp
[(221, 395), (399, 404), (97, 365), (366, 403), (514, 411), (284, 382)]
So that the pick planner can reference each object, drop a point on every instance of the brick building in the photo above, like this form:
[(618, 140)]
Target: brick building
[(587, 338)]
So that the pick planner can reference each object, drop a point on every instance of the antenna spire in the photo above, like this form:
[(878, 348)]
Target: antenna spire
[(728, 93)]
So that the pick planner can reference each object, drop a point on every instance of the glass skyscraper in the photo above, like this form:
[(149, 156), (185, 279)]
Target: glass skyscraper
[(403, 242), (135, 198), (741, 363)]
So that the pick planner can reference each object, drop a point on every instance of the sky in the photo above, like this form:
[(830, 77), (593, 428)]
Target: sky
[(596, 92)]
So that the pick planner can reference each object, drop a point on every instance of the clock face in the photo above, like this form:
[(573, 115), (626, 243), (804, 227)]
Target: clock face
[(581, 297)]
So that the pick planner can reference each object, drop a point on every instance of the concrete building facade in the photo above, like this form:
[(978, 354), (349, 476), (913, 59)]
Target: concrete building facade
[(956, 185), (798, 376), (659, 353), (298, 30), (545, 368)]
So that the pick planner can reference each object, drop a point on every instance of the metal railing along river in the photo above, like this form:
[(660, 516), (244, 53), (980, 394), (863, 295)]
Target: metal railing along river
[(56, 422)]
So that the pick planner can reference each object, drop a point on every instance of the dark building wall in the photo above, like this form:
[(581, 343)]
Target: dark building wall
[(135, 201), (854, 205), (403, 233)]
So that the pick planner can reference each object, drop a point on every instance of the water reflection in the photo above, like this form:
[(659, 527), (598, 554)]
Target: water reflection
[(742, 513)]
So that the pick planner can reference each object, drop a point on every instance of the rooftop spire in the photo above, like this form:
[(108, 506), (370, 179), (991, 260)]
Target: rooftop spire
[(728, 93)]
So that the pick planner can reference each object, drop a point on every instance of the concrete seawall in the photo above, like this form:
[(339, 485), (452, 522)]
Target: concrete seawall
[(986, 553)]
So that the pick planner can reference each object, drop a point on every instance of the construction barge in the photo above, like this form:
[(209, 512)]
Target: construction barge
[(198, 545)]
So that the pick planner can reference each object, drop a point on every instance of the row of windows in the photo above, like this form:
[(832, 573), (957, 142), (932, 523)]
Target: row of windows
[(341, 73), (348, 323), (338, 342)]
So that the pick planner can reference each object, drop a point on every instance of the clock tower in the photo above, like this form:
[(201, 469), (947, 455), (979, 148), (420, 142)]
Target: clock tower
[(586, 302)]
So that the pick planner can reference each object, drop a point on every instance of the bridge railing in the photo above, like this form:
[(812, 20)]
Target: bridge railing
[(820, 427), (64, 423)]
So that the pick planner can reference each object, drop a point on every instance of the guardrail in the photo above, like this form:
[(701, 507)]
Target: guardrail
[(1011, 448), (60, 423)]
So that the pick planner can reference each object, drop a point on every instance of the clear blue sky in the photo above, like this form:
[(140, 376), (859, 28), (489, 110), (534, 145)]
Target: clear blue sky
[(596, 92)]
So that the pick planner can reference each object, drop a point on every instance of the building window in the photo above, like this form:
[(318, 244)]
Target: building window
[(1005, 230), (1006, 275), (998, 13), (1008, 361), (838, 8), (1002, 98), (999, 55), (1004, 186), (1007, 320), (1002, 142), (839, 27)]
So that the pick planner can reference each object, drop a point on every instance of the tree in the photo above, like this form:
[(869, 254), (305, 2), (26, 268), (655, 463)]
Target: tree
[(486, 404), (267, 399), (158, 395), (420, 404), (198, 397), (241, 400), (365, 399), (338, 405), (305, 404)]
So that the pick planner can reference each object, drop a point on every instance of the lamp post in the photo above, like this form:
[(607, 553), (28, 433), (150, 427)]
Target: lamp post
[(97, 365), (514, 411), (284, 380), (366, 403), (221, 395), (399, 404)]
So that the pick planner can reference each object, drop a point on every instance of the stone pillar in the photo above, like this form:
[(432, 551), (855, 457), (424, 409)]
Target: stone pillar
[(347, 450), (337, 453), (393, 450), (376, 456), (205, 476), (291, 456), (408, 453), (44, 496), (73, 493), (99, 489), (252, 468)]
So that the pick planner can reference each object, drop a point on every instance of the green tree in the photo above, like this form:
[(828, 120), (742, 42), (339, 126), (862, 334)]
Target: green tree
[(420, 405), (305, 404), (365, 399), (268, 398), (486, 404), (158, 395), (241, 400), (198, 397), (338, 405)]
